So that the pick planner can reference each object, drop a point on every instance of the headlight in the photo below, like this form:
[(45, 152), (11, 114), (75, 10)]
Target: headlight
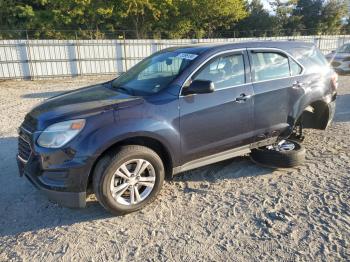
[(59, 134)]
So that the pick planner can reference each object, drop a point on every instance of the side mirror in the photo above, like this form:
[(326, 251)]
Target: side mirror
[(199, 87)]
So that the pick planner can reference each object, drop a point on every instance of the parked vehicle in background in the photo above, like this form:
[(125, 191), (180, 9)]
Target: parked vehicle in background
[(340, 59), (179, 109)]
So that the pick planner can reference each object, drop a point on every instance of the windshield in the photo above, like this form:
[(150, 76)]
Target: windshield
[(153, 73), (344, 49)]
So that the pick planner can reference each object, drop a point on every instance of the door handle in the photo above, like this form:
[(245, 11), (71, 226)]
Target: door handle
[(242, 98), (298, 84)]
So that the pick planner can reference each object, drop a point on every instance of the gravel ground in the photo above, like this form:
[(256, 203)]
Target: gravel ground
[(233, 210)]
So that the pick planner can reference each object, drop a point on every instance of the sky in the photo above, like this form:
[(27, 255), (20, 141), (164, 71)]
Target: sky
[(266, 4)]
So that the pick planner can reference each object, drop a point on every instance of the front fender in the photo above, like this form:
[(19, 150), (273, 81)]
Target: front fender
[(127, 124)]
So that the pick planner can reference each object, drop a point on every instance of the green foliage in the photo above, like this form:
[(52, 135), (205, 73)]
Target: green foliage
[(285, 18), (200, 18), (67, 19), (258, 22), (332, 13), (315, 16)]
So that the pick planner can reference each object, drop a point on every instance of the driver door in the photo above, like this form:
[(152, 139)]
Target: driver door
[(222, 120)]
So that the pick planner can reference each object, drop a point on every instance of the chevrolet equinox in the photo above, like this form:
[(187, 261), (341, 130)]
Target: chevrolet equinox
[(176, 110)]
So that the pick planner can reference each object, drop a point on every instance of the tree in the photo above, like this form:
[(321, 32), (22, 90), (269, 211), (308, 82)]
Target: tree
[(258, 21), (310, 13), (332, 14), (320, 16), (139, 14), (16, 15), (83, 16), (203, 18), (168, 18), (285, 21)]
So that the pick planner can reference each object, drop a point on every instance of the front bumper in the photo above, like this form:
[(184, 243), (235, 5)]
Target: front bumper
[(59, 173), (51, 189)]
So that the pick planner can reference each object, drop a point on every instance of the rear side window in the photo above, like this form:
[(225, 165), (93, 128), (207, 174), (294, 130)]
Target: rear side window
[(223, 71), (310, 58), (295, 69), (268, 66)]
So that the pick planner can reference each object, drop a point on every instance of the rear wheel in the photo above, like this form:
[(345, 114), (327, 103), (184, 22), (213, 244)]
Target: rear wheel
[(287, 153), (129, 180)]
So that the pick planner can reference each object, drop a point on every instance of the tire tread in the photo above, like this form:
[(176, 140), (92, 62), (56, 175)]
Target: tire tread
[(103, 165), (278, 159)]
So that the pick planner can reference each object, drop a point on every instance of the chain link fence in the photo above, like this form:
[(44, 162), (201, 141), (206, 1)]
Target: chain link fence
[(30, 59)]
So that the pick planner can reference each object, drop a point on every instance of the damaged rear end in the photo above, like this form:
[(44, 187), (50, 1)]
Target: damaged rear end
[(317, 104)]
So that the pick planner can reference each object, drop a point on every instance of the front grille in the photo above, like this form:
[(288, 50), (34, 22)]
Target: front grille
[(29, 124), (24, 149)]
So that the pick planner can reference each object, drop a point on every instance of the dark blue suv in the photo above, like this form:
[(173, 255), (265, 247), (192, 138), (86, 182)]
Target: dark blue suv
[(177, 110)]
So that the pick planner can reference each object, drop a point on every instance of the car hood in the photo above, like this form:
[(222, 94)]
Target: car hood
[(88, 100)]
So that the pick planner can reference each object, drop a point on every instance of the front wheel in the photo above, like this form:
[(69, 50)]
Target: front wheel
[(129, 180)]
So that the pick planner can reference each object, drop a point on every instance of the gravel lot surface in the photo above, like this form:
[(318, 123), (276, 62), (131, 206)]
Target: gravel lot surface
[(233, 210)]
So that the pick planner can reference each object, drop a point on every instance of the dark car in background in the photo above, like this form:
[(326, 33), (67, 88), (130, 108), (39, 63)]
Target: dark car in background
[(179, 109), (340, 59)]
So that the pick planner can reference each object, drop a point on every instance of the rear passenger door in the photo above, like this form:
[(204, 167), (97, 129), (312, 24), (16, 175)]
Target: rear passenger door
[(274, 76)]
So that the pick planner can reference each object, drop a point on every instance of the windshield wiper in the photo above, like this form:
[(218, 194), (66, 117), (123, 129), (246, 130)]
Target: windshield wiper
[(123, 89)]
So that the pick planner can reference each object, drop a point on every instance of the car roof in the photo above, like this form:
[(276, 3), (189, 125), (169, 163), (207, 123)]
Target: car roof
[(213, 47)]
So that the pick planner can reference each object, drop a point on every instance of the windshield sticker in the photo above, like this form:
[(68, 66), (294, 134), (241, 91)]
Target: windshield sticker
[(187, 56)]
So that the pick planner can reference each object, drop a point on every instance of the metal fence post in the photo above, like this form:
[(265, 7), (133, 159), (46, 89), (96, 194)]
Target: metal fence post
[(77, 45), (29, 61), (72, 58), (124, 56), (319, 42), (21, 47), (119, 57), (154, 46)]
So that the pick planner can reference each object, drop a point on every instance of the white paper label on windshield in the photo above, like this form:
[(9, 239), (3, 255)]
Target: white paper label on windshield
[(187, 56)]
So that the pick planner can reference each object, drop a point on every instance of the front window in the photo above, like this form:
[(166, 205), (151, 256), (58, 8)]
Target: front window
[(224, 71), (154, 73)]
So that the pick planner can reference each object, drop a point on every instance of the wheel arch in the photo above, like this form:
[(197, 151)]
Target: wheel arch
[(315, 115), (147, 141)]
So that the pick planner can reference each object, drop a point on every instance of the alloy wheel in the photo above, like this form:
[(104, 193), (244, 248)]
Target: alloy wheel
[(133, 182)]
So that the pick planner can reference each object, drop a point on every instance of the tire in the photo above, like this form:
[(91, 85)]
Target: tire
[(279, 159), (111, 168)]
